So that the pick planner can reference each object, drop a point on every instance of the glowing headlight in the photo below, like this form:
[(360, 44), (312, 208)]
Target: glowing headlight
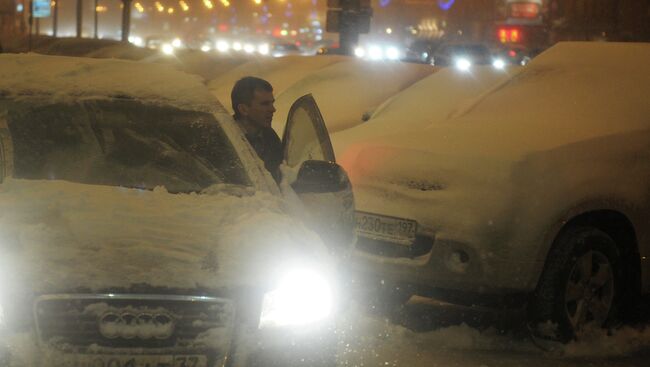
[(168, 49), (237, 46), (499, 64), (375, 53), (303, 297), (463, 64), (392, 53), (205, 48), (177, 42), (263, 48), (248, 48), (359, 52), (223, 46)]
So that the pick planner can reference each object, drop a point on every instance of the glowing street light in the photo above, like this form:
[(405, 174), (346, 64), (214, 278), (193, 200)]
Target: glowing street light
[(208, 4), (184, 5), (139, 7), (159, 7)]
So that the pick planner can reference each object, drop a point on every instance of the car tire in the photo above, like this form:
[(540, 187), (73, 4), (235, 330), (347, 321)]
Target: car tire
[(581, 284)]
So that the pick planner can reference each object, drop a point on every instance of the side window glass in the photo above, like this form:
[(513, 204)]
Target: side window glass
[(305, 135)]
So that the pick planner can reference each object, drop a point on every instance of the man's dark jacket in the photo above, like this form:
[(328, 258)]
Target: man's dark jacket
[(269, 148)]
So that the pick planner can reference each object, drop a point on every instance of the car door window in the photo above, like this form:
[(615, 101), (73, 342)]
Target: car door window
[(305, 136)]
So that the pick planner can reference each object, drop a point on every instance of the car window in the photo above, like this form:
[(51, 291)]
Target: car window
[(123, 143), (305, 136)]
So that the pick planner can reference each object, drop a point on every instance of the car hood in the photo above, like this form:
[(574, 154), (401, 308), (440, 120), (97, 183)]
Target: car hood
[(57, 235)]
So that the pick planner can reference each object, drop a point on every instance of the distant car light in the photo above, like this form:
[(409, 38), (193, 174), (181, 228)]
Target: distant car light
[(177, 43), (263, 49), (392, 53), (167, 49), (136, 41), (359, 52), (463, 64), (375, 53), (237, 46), (223, 46), (498, 64), (303, 296), (249, 48), (205, 48)]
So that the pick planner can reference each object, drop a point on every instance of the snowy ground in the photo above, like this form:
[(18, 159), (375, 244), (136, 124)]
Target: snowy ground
[(370, 340)]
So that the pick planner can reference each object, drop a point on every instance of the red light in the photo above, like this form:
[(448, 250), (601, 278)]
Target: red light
[(503, 35), (512, 53), (514, 35), (223, 27)]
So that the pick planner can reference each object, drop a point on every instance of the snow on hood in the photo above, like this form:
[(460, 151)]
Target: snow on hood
[(65, 78), (589, 98), (58, 236)]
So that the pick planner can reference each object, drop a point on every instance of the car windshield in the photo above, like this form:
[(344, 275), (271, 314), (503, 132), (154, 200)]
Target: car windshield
[(123, 144), (468, 50)]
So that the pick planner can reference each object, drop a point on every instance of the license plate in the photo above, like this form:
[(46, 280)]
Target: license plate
[(88, 360), (382, 227)]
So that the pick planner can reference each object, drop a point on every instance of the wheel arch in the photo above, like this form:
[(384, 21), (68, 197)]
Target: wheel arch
[(621, 229)]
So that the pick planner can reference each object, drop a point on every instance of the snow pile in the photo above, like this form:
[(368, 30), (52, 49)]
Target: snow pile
[(366, 340), (57, 236), (68, 78)]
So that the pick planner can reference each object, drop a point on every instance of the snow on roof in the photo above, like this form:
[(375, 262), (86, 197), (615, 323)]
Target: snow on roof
[(347, 90), (63, 77), (572, 92), (281, 72)]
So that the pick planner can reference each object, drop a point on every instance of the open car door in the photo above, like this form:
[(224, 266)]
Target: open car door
[(321, 184)]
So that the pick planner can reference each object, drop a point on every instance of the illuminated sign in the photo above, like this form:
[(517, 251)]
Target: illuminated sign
[(524, 10), (41, 8), (445, 4)]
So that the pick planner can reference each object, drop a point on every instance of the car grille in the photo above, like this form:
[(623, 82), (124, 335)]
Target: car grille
[(129, 321), (420, 246)]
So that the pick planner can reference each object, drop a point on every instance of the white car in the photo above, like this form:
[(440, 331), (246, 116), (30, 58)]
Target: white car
[(536, 194), (138, 226)]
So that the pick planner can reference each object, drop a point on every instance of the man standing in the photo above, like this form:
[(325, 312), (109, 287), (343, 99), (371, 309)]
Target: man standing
[(252, 100)]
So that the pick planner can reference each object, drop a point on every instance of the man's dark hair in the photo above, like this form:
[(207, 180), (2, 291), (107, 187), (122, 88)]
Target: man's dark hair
[(244, 89)]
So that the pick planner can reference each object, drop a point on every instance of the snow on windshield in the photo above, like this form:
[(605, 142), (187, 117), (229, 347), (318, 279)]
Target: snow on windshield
[(429, 101), (57, 236), (67, 78)]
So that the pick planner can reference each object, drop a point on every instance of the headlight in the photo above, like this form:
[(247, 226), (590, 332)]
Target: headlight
[(498, 64), (392, 53), (303, 296), (168, 49), (463, 64)]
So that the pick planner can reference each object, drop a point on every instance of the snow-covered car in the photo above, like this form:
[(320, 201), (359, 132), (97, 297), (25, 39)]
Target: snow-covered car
[(536, 194), (139, 228)]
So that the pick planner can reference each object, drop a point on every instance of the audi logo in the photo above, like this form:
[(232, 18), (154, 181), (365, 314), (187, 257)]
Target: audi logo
[(141, 325)]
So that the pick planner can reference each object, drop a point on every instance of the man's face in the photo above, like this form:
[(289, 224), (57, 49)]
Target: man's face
[(260, 111)]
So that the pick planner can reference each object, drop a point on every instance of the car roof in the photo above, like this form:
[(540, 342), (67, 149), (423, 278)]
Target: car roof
[(72, 78)]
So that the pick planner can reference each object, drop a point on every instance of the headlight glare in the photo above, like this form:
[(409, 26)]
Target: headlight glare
[(303, 296)]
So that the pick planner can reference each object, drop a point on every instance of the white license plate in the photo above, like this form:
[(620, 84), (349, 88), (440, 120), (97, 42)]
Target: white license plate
[(382, 227), (93, 360)]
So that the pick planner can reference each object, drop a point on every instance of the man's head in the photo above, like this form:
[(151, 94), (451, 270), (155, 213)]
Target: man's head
[(252, 100)]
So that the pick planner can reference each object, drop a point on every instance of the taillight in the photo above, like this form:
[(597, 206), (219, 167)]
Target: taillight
[(509, 35)]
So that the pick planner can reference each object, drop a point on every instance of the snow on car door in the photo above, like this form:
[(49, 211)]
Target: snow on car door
[(322, 185)]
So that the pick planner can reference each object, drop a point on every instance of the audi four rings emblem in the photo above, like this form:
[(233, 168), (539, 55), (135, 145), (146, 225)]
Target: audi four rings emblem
[(141, 325)]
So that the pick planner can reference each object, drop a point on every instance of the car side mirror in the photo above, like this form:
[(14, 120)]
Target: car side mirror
[(319, 177)]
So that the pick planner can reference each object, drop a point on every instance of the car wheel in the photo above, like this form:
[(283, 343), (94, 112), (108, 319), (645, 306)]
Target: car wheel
[(580, 285)]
